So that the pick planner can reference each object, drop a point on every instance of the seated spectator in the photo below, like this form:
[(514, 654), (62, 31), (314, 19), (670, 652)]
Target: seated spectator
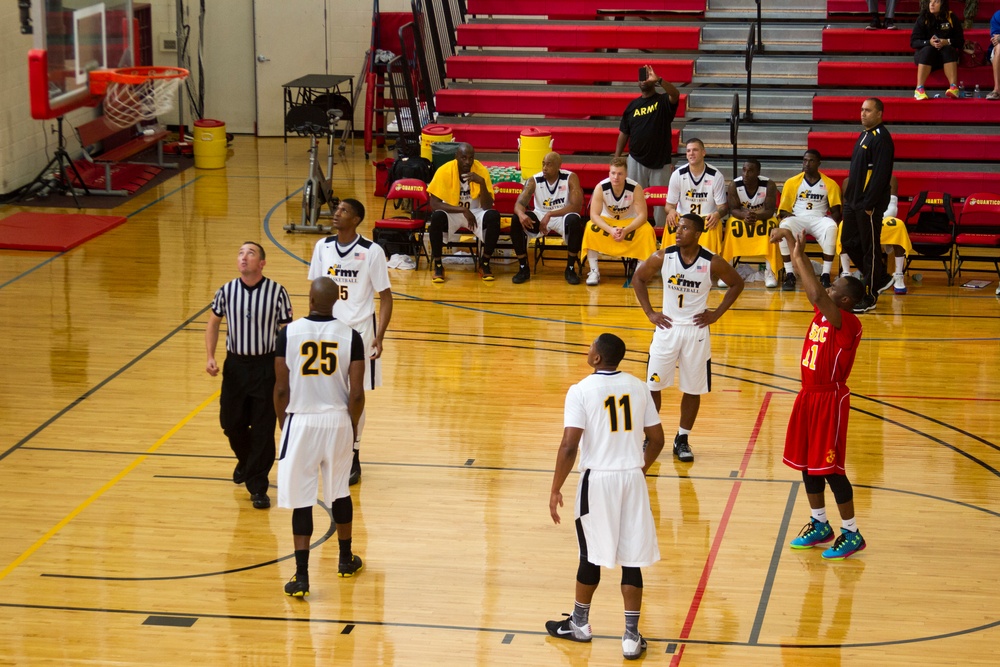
[(937, 41), (810, 203), (993, 56), (752, 204), (618, 218), (556, 198), (461, 196), (890, 14), (698, 188), (894, 237)]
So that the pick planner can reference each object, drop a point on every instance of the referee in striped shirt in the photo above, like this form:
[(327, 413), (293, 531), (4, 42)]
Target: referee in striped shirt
[(254, 307)]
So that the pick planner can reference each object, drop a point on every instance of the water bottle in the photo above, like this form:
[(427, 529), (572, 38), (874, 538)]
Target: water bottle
[(961, 89), (976, 94)]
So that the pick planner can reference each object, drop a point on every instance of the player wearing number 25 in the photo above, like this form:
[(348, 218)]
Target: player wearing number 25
[(681, 338), (358, 267), (319, 364)]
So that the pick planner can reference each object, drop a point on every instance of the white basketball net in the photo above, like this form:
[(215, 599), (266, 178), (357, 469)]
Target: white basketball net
[(125, 104)]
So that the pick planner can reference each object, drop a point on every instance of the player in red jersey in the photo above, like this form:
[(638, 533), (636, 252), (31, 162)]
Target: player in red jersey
[(816, 441)]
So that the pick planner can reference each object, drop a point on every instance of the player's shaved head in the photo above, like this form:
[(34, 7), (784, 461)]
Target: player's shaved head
[(611, 348), (553, 157), (323, 293)]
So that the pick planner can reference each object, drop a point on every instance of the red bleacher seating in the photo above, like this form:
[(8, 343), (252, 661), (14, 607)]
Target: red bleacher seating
[(909, 7), (895, 75), (978, 147), (565, 69), (909, 110), (563, 104), (581, 38), (859, 40), (565, 139), (580, 9)]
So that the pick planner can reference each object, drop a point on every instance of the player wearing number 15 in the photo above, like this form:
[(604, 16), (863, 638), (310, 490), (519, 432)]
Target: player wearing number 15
[(319, 395), (606, 416), (681, 339), (816, 441), (358, 267)]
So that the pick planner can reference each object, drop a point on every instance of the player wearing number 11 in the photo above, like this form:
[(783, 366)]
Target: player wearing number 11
[(681, 339), (816, 441), (358, 267), (606, 416)]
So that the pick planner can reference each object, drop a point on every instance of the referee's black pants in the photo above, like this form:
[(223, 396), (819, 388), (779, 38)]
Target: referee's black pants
[(246, 413), (861, 239)]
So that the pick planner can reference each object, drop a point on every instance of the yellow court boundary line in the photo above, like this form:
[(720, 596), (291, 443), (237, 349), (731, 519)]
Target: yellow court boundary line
[(101, 491)]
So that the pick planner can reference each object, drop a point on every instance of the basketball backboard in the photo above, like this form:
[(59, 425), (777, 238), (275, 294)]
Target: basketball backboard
[(71, 39)]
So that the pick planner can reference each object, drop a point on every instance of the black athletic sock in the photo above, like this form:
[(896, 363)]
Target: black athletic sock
[(522, 262), (345, 550), (302, 562), (632, 622)]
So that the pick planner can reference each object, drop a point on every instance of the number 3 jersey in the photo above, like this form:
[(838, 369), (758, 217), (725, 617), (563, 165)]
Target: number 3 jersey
[(685, 286), (612, 408), (828, 353), (318, 352), (359, 269)]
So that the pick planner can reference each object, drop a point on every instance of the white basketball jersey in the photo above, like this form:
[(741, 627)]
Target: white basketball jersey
[(621, 207), (318, 354), (759, 198), (701, 195), (811, 201), (612, 408), (685, 287), (551, 197), (360, 272)]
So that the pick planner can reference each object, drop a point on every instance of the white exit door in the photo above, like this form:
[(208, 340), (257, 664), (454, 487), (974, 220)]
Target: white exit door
[(289, 42)]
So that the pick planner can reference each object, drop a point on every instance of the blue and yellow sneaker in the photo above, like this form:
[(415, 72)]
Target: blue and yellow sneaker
[(812, 533), (847, 544)]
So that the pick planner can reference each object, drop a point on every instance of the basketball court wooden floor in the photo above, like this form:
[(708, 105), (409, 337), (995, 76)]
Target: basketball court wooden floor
[(125, 541)]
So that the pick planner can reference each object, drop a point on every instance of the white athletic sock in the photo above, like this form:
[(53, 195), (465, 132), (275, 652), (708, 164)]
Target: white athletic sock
[(683, 431), (820, 515), (900, 261), (845, 263), (788, 267), (827, 266), (851, 525), (592, 259)]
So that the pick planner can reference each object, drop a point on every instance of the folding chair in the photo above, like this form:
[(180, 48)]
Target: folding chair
[(977, 237), (930, 222), (406, 233)]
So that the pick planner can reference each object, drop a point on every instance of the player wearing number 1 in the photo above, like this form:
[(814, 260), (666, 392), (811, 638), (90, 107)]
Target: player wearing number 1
[(358, 267), (816, 441), (681, 338), (319, 396), (606, 416)]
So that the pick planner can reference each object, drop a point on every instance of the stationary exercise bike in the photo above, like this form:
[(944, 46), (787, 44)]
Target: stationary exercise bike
[(312, 121)]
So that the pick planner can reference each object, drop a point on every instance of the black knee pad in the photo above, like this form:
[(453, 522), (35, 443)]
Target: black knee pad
[(588, 574), (631, 576), (439, 222), (302, 521), (812, 483), (343, 510), (574, 231), (843, 492)]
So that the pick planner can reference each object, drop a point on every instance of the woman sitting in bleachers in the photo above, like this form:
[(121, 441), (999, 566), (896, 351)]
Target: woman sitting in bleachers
[(937, 40)]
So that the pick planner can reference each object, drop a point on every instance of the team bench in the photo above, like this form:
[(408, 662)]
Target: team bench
[(98, 130)]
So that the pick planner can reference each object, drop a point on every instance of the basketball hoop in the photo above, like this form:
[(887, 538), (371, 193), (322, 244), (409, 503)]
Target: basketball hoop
[(132, 94)]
